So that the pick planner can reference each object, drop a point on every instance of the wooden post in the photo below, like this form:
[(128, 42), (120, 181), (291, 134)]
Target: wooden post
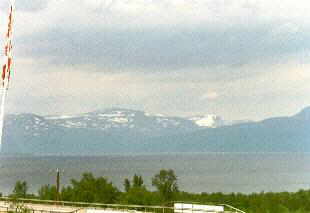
[(57, 184)]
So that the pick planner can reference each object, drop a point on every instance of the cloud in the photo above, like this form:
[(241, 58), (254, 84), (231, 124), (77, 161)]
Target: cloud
[(73, 90), (31, 6), (162, 56), (162, 36), (26, 6), (211, 95), (166, 50)]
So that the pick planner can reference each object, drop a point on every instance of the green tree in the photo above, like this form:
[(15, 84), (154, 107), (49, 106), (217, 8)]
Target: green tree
[(137, 181), (127, 185), (136, 192), (166, 183), (139, 196), (47, 192), (20, 189), (91, 189), (67, 193)]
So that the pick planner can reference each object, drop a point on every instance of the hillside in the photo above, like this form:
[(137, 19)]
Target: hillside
[(123, 130)]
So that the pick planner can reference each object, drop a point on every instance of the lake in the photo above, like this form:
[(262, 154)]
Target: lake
[(197, 172)]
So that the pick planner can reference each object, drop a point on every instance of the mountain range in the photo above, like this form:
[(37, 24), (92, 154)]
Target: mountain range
[(123, 130)]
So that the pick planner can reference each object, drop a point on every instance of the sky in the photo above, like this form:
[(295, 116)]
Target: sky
[(240, 59)]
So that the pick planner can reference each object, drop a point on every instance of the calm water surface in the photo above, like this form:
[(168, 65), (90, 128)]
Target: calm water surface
[(197, 172)]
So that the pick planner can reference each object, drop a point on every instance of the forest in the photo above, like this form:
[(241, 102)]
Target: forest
[(101, 190)]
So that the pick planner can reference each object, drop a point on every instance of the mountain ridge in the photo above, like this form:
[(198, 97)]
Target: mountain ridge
[(122, 130)]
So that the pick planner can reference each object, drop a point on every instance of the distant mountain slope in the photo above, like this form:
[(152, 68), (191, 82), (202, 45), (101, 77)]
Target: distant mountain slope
[(121, 120), (102, 131), (122, 130), (283, 134)]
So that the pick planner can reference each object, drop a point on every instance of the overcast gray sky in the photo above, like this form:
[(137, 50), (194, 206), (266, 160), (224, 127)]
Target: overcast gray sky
[(240, 59)]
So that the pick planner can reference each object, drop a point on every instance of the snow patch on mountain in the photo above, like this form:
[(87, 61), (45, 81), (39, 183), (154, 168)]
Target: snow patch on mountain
[(119, 120), (211, 121), (114, 121), (60, 117), (124, 118)]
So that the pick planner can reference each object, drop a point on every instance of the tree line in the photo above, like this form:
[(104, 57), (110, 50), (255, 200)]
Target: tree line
[(100, 190)]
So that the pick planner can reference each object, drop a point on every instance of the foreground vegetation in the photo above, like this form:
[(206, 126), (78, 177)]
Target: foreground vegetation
[(101, 190)]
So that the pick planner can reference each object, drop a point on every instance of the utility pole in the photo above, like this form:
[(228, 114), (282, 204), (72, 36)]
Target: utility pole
[(58, 171), (57, 184)]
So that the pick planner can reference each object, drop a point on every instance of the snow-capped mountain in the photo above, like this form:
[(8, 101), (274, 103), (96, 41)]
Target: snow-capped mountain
[(28, 123), (124, 120), (211, 121), (112, 121), (214, 121), (117, 130), (122, 130), (84, 132)]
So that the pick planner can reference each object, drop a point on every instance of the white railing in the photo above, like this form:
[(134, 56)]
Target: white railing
[(79, 206)]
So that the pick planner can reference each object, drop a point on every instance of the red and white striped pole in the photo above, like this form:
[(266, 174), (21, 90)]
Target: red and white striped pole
[(7, 66)]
